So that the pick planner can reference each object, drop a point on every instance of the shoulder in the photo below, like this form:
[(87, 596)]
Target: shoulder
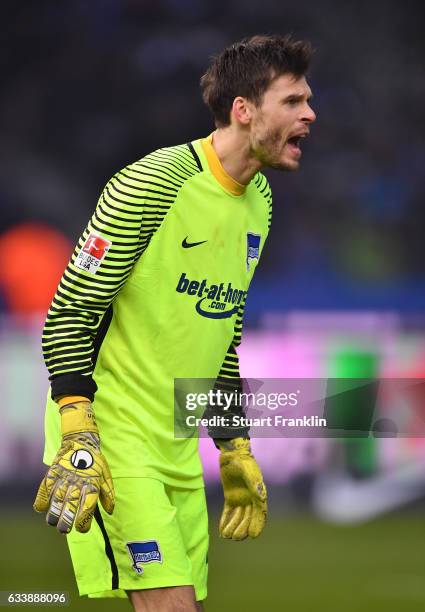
[(173, 165), (263, 188), (156, 176), (262, 185)]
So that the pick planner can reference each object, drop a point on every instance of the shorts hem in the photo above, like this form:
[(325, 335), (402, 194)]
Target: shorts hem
[(135, 586), (202, 595)]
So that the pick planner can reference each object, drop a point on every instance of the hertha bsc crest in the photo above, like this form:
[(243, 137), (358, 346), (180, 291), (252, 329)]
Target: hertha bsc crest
[(144, 552), (253, 248)]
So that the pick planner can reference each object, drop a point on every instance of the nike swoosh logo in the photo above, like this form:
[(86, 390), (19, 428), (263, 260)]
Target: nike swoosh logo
[(189, 245)]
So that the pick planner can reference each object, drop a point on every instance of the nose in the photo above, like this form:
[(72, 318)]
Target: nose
[(309, 114)]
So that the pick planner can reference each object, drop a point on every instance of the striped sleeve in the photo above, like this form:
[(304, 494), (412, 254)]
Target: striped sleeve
[(263, 187), (229, 378), (129, 211)]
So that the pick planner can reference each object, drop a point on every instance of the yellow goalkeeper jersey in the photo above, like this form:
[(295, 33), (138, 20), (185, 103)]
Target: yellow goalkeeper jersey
[(155, 290)]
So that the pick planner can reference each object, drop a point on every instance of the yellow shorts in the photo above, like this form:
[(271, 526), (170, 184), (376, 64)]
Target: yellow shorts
[(156, 537)]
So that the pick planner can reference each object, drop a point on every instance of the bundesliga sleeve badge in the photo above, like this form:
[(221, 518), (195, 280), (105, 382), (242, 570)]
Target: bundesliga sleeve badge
[(92, 254)]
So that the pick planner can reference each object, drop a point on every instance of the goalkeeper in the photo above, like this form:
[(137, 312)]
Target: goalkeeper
[(155, 290)]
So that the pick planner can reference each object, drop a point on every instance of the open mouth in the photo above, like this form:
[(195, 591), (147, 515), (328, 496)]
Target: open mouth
[(294, 145)]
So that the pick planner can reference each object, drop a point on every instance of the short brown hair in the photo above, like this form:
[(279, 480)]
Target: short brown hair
[(247, 68)]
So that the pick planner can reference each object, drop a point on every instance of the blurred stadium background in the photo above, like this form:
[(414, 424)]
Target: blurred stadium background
[(91, 85)]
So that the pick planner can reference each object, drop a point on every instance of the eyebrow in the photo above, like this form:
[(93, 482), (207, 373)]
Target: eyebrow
[(297, 97)]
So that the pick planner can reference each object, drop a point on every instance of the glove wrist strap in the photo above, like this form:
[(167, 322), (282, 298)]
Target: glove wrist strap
[(78, 417)]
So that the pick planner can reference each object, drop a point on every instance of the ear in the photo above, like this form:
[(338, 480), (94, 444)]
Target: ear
[(242, 110)]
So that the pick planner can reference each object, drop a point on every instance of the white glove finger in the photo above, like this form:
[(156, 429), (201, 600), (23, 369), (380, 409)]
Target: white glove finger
[(57, 497), (69, 509), (241, 531)]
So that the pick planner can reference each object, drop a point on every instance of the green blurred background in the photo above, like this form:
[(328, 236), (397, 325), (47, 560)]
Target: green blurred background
[(298, 564)]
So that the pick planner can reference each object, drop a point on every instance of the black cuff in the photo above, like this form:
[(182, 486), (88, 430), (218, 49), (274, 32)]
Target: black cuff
[(228, 433), (225, 430), (217, 440), (73, 384)]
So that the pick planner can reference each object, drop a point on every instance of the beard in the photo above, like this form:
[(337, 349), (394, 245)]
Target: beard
[(267, 146)]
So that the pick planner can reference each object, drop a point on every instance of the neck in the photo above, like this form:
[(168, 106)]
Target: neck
[(234, 152)]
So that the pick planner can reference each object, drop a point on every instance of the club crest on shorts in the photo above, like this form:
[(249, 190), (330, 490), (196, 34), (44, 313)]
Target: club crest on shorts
[(92, 254), (253, 248), (144, 552)]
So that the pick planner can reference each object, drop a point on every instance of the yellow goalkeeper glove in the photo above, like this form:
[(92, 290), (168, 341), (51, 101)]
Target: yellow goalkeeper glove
[(79, 474), (245, 495)]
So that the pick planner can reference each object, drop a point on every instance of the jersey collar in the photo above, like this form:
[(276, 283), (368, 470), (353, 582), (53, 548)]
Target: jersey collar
[(226, 181)]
